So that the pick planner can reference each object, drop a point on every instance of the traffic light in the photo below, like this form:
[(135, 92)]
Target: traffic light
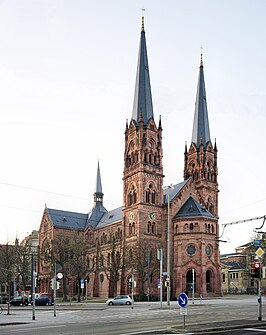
[(52, 284), (130, 282), (255, 272)]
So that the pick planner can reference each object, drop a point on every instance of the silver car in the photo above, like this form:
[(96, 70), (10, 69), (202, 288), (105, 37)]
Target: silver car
[(120, 300)]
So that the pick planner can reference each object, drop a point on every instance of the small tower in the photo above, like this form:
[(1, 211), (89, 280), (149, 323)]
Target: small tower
[(200, 162), (98, 210), (143, 169), (98, 194)]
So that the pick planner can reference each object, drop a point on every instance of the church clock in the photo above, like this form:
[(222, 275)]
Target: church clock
[(131, 217), (152, 216)]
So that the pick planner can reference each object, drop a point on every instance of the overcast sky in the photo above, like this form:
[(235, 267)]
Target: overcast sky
[(67, 76)]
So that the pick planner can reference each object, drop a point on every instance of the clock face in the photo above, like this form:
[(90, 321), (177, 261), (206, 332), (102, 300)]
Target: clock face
[(208, 250), (152, 216), (131, 217)]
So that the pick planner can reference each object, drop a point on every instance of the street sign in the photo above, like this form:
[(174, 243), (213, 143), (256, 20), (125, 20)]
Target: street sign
[(81, 283), (256, 265), (182, 300), (256, 243), (183, 311), (259, 252)]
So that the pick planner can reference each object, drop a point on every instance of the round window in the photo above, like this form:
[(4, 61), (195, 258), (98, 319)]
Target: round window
[(191, 249)]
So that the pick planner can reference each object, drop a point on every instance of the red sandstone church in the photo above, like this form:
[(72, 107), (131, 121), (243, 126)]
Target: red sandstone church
[(190, 208)]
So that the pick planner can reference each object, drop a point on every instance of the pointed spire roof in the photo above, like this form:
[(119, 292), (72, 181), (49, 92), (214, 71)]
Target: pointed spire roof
[(201, 131), (98, 187), (142, 98)]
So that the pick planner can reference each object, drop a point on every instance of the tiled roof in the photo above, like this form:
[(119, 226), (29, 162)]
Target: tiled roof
[(193, 208), (235, 265), (67, 220), (173, 191), (110, 217)]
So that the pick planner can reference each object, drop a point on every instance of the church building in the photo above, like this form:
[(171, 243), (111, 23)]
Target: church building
[(180, 219)]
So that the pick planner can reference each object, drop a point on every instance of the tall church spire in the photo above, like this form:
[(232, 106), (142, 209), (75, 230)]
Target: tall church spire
[(142, 99), (98, 194), (201, 131)]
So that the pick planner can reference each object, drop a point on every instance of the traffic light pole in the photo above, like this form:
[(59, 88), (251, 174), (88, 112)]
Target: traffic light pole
[(55, 289), (259, 296)]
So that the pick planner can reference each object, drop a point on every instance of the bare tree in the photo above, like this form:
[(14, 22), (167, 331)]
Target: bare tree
[(59, 251), (141, 258), (111, 261), (78, 264), (7, 265)]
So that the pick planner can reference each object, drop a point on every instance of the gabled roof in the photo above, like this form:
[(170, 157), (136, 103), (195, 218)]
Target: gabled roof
[(142, 107), (174, 191), (192, 208), (201, 123), (96, 214), (110, 217), (67, 220)]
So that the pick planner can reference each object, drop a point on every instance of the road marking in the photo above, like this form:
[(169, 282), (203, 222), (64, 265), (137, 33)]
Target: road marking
[(256, 329), (152, 331), (34, 328)]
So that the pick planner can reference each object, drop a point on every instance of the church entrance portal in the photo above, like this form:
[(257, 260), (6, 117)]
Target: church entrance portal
[(191, 280)]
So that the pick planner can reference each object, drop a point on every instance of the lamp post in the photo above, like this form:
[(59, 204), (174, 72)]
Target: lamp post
[(169, 187)]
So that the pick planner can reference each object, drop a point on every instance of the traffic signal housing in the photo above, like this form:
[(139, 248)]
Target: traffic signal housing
[(255, 272)]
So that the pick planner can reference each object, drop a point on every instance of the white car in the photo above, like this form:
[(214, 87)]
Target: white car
[(120, 300)]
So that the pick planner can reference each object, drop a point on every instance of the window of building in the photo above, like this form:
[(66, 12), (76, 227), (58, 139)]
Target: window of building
[(223, 277)]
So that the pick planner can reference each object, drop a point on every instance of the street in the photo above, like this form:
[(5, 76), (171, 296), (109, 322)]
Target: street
[(144, 318)]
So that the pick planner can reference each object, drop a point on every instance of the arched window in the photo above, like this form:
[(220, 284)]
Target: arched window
[(191, 226), (176, 229), (153, 230), (132, 196), (133, 228), (149, 227), (130, 230), (153, 195), (148, 196)]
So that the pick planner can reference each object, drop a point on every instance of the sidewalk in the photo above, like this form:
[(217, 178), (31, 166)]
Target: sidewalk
[(214, 326)]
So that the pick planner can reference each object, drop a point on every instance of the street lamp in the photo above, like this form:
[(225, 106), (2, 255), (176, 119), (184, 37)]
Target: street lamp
[(169, 187)]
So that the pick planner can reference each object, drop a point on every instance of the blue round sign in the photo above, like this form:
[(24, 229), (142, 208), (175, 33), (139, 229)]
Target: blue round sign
[(182, 300)]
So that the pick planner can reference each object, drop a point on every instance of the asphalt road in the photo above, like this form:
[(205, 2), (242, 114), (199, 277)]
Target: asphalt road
[(146, 318)]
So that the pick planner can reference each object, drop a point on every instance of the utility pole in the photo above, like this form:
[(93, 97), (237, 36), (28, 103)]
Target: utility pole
[(54, 289), (168, 244), (33, 275), (160, 258)]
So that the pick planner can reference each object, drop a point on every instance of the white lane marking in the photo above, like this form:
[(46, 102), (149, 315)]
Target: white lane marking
[(256, 330), (34, 328)]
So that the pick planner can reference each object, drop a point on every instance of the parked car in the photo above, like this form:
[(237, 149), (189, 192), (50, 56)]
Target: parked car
[(3, 299), (120, 300), (19, 301), (44, 300)]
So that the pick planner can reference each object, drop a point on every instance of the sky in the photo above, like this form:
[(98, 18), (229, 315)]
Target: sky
[(67, 79)]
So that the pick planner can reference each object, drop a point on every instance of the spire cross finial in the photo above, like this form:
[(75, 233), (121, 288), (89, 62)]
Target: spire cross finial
[(201, 56), (142, 19)]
